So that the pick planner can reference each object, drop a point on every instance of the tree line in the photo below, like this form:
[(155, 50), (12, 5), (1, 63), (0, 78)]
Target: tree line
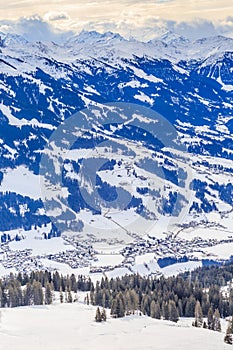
[(37, 288), (167, 298)]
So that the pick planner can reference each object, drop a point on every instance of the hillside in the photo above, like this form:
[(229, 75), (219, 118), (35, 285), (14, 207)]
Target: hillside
[(67, 327), (115, 154)]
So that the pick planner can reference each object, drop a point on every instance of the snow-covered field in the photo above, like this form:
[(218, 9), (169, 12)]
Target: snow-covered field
[(72, 327), (15, 179)]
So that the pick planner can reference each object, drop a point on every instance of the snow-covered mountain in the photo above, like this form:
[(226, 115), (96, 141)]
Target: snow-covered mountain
[(117, 147)]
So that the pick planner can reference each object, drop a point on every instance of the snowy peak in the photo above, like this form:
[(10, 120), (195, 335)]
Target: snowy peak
[(173, 38), (114, 47), (12, 40), (43, 84), (85, 37)]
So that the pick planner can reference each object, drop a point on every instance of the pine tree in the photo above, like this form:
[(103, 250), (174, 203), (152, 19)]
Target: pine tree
[(98, 317), (198, 315), (152, 309), (69, 297), (103, 315), (165, 310), (173, 313), (61, 296), (134, 300), (146, 300), (210, 318), (190, 307), (229, 331), (180, 308), (118, 306), (216, 321), (155, 311), (28, 295), (38, 295), (48, 294), (113, 308)]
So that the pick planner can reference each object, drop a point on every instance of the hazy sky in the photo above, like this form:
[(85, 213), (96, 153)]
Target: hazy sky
[(142, 19)]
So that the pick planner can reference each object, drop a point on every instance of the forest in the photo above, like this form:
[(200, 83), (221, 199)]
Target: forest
[(197, 294)]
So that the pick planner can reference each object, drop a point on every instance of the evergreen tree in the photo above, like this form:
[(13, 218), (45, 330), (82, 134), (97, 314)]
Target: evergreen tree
[(198, 315), (180, 308), (146, 300), (118, 306), (229, 331), (61, 296), (216, 321), (113, 308), (38, 295), (173, 313), (165, 311), (155, 311), (28, 294), (190, 306), (48, 294), (210, 318), (69, 297), (98, 316), (152, 309), (134, 300), (103, 315)]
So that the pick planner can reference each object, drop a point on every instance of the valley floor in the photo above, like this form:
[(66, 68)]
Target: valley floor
[(72, 327)]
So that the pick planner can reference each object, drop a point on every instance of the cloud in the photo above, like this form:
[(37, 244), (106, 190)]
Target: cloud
[(154, 27), (53, 27), (142, 19), (56, 16), (35, 29), (195, 29)]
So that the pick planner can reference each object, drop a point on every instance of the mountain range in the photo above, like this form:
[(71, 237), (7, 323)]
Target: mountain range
[(115, 153)]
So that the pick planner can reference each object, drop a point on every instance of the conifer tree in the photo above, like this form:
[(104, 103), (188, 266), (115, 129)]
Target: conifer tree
[(229, 331), (120, 306), (155, 310), (48, 294), (38, 295), (152, 309), (210, 318), (173, 313), (103, 315), (113, 308), (28, 295), (61, 296), (69, 297), (165, 311), (98, 317), (198, 315), (216, 321)]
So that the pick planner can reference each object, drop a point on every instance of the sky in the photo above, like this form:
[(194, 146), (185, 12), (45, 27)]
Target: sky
[(142, 19)]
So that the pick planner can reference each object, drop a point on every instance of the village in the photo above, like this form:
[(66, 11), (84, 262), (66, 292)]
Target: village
[(166, 251)]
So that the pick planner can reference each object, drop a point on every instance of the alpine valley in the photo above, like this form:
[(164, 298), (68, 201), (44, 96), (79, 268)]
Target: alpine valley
[(116, 155)]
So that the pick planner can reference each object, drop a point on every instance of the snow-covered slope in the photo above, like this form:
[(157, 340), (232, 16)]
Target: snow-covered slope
[(116, 177), (67, 327)]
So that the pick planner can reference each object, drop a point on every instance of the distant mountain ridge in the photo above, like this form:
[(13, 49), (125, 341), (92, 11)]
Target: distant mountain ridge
[(188, 83)]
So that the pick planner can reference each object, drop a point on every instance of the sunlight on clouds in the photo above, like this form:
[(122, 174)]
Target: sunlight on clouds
[(141, 19), (179, 10), (56, 16)]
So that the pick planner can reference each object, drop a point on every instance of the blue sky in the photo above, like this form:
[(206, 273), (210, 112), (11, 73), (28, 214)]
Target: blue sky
[(142, 19)]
